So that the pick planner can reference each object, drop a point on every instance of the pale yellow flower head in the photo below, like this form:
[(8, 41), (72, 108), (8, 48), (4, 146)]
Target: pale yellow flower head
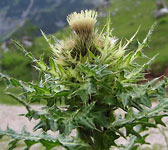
[(82, 23)]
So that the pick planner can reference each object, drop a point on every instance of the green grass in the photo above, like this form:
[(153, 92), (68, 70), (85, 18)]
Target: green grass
[(4, 98)]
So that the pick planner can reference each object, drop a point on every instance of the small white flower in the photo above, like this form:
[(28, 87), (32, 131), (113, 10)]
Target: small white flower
[(112, 41), (82, 23)]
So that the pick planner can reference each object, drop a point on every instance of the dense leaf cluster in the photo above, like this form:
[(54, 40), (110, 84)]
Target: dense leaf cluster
[(92, 99)]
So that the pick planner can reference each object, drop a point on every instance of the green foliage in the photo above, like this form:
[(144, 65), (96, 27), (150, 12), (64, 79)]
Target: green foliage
[(28, 29), (13, 63), (83, 87)]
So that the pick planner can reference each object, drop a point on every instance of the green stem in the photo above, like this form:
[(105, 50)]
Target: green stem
[(98, 141), (85, 135)]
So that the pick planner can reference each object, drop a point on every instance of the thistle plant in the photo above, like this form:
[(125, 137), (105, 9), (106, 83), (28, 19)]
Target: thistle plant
[(95, 92)]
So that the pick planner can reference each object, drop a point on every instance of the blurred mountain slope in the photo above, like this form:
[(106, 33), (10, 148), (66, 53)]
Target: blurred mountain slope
[(49, 15)]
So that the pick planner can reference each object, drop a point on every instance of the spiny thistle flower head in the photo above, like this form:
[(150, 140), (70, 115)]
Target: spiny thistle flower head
[(82, 23)]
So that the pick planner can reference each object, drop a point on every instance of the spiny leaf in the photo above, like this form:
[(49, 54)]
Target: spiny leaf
[(41, 64), (12, 144), (130, 40), (27, 106), (154, 112), (29, 139), (28, 54), (74, 144), (138, 70), (16, 83), (51, 45), (52, 69), (143, 44)]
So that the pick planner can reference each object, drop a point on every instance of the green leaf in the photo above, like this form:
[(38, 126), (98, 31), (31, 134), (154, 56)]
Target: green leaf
[(12, 144), (145, 100), (152, 113), (52, 69), (110, 100), (73, 144), (84, 96), (29, 138), (40, 90), (125, 98), (16, 83), (28, 54), (158, 120), (29, 143), (136, 71), (86, 70), (53, 48), (85, 118), (27, 106), (61, 93), (49, 144), (41, 63)]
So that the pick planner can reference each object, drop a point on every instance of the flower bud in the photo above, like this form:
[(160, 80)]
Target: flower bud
[(82, 23)]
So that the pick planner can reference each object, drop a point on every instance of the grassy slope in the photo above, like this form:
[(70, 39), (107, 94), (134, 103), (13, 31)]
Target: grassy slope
[(129, 16), (5, 99)]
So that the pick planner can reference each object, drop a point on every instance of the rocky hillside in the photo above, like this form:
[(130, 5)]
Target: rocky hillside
[(49, 15)]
